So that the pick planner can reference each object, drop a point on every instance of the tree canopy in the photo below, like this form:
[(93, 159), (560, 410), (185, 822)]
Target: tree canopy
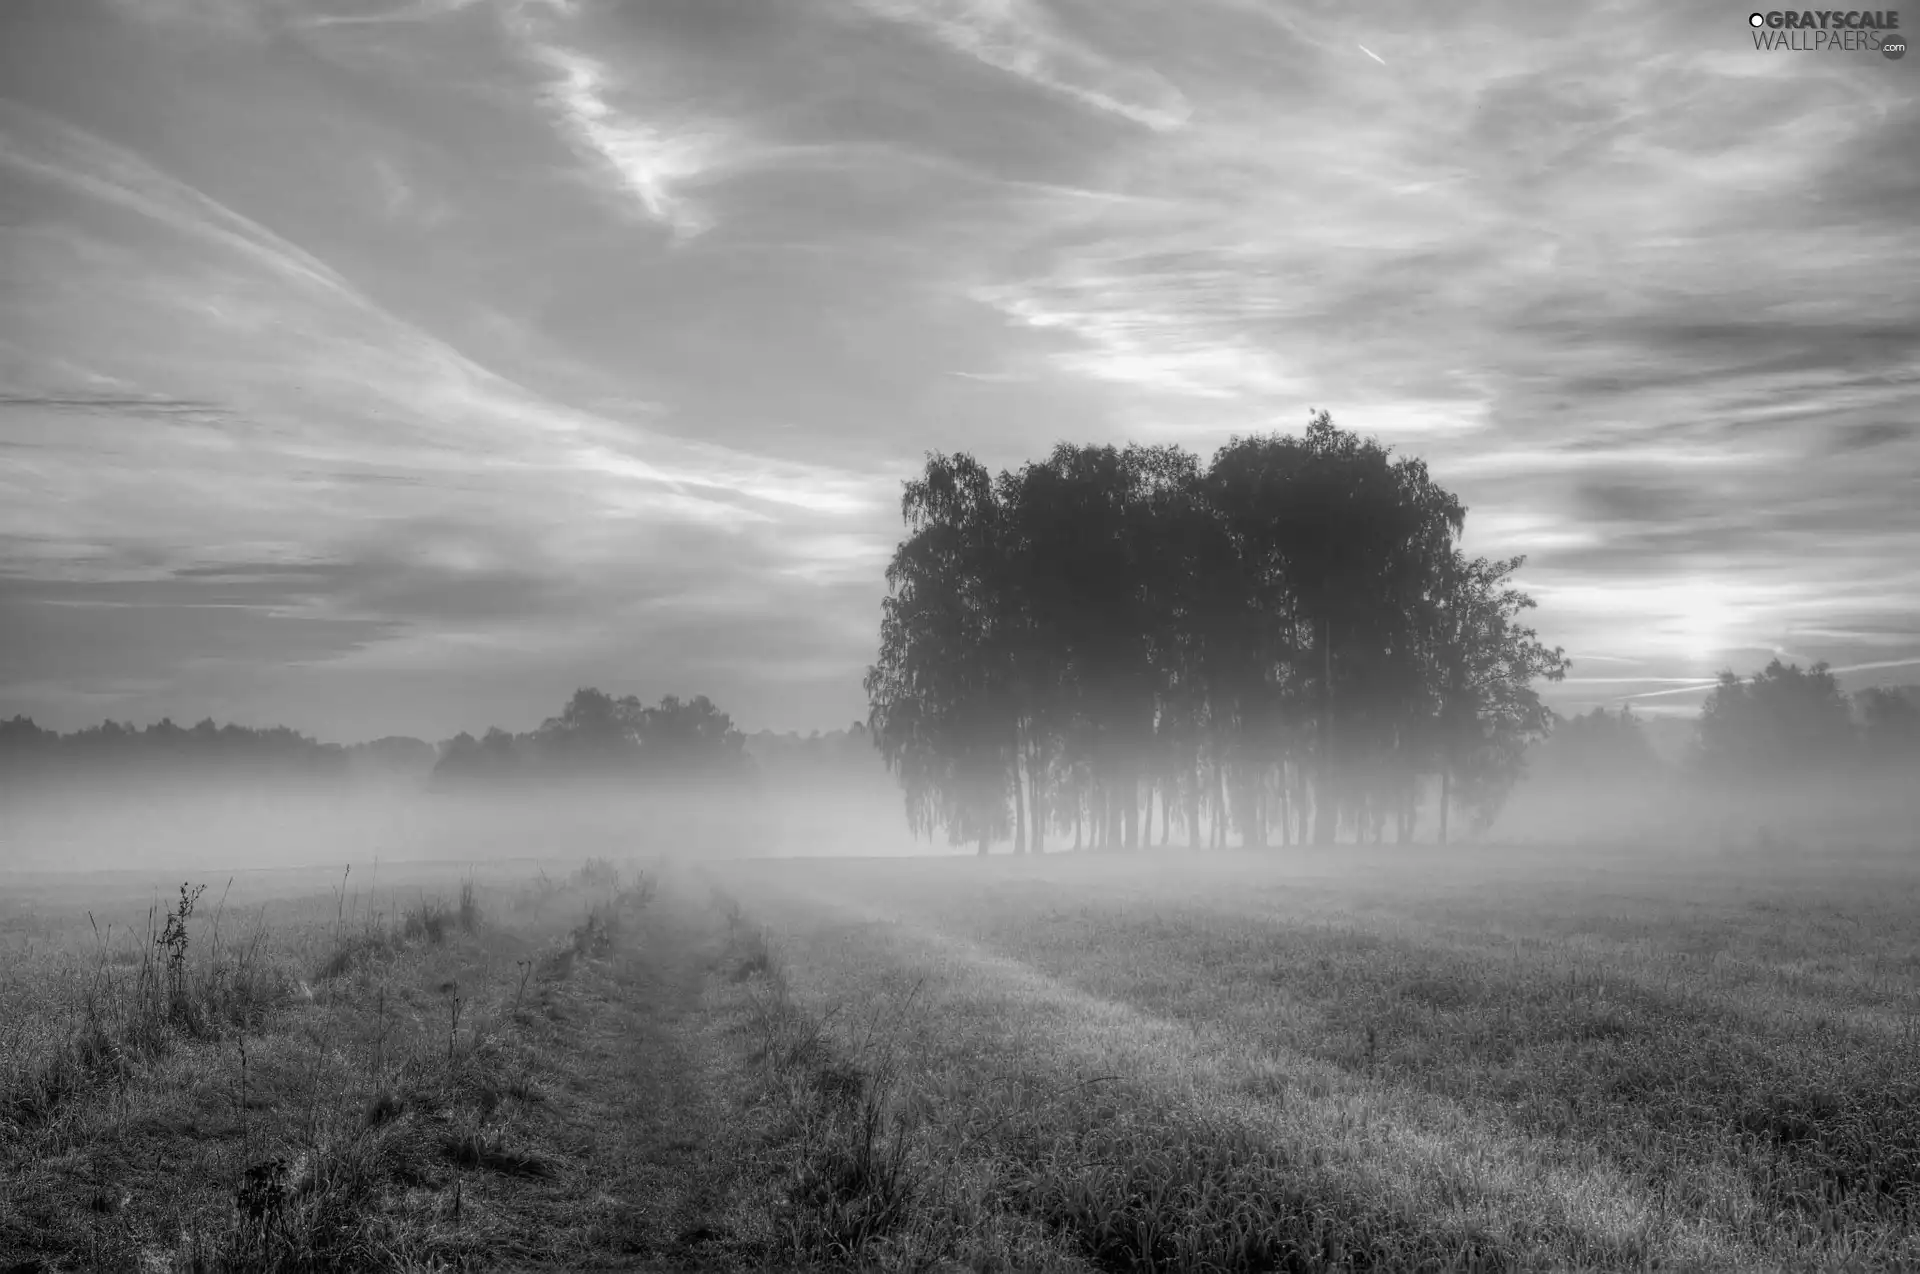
[(1783, 720), (596, 736), (1890, 724), (163, 750), (1282, 643), (1599, 747)]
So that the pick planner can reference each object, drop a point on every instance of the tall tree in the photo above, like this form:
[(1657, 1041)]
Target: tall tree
[(1484, 662), (1339, 544), (940, 693)]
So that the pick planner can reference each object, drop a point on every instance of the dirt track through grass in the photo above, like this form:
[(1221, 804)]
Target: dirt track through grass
[(1219, 1063), (1523, 1071), (564, 1090)]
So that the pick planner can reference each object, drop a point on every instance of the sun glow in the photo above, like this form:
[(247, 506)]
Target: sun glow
[(1702, 623)]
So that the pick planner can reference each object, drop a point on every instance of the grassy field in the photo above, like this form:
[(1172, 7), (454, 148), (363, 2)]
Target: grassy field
[(439, 1072), (1367, 1058), (1393, 1059)]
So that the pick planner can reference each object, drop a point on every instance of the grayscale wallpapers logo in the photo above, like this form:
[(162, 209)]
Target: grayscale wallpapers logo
[(1829, 31)]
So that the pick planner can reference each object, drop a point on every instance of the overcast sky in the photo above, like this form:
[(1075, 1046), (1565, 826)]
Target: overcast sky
[(400, 366)]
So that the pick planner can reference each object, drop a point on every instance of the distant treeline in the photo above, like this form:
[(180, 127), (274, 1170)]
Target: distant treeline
[(168, 751), (595, 737), (837, 757), (1781, 725), (599, 737), (1285, 644)]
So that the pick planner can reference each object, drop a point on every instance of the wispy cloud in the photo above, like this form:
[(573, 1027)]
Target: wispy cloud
[(412, 11), (1019, 38), (43, 147), (653, 162), (323, 413)]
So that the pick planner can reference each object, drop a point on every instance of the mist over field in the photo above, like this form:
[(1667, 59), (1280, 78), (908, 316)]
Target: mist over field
[(230, 819)]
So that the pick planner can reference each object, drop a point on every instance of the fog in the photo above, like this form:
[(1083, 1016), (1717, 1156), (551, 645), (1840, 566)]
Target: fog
[(221, 824), (1865, 809), (231, 824)]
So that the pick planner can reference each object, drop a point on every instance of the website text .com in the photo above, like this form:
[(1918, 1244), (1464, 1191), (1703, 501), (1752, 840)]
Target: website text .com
[(1815, 30)]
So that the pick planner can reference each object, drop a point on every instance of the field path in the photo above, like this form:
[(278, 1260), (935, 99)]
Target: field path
[(974, 1013)]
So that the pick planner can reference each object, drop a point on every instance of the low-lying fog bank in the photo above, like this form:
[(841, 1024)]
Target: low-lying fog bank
[(214, 827), (210, 827), (1847, 810)]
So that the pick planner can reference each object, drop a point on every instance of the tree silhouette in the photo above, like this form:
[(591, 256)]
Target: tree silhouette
[(1890, 721), (1106, 632), (941, 696), (163, 752), (1484, 665), (1600, 746), (1781, 721), (599, 738)]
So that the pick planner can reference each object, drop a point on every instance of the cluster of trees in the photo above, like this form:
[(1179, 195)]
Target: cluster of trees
[(163, 751), (1783, 726), (1284, 643), (1598, 748), (1786, 721), (599, 737)]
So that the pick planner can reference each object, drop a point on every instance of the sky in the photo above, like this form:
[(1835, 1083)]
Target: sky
[(399, 366)]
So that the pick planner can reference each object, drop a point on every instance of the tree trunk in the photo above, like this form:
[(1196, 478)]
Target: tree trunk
[(1076, 821), (1446, 799), (1130, 812), (1019, 803), (1036, 799), (1166, 820), (1219, 806), (1326, 815), (1193, 806), (1326, 807), (1281, 811)]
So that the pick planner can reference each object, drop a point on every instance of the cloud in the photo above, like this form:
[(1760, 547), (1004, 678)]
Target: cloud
[(370, 355), (1016, 36), (544, 332), (1871, 434), (653, 162), (42, 147), (414, 11), (341, 478)]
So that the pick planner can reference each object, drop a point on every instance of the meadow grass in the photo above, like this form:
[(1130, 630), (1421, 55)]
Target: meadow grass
[(1355, 1059), (1386, 1059), (319, 1085)]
